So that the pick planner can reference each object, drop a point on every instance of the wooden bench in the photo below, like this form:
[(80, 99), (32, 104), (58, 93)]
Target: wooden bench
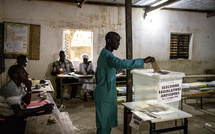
[(196, 95)]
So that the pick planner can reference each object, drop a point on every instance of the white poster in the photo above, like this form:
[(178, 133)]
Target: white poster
[(16, 38), (169, 91), (9, 46)]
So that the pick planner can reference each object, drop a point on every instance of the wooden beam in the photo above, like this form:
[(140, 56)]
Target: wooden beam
[(129, 96), (72, 1), (82, 3), (149, 9), (128, 14), (210, 14), (92, 3), (187, 10)]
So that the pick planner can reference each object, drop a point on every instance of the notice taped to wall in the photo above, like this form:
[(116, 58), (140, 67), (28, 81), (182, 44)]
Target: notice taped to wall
[(169, 91)]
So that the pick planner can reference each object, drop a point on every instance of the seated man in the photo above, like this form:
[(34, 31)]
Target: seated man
[(12, 95), (23, 61), (64, 66), (86, 67)]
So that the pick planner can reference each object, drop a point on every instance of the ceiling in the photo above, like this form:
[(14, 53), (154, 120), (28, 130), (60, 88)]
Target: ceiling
[(206, 6)]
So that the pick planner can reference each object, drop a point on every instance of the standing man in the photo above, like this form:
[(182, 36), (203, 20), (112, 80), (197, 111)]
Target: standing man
[(105, 91), (64, 66), (12, 96)]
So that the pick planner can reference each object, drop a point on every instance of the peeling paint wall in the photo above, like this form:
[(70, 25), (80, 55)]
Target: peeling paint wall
[(151, 36)]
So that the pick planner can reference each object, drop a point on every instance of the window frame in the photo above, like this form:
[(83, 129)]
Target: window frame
[(182, 38), (67, 47)]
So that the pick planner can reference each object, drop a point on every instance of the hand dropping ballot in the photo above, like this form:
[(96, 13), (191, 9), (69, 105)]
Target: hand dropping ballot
[(155, 66)]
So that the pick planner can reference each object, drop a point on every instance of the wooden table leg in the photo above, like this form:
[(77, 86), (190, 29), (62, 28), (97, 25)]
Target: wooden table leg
[(61, 101), (152, 128), (127, 119), (185, 125)]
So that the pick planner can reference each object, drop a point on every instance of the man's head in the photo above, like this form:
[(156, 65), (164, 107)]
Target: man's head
[(112, 40), (18, 72), (22, 60), (85, 58), (62, 56)]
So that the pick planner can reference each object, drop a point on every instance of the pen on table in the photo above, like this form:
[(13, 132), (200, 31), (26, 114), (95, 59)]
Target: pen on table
[(46, 102)]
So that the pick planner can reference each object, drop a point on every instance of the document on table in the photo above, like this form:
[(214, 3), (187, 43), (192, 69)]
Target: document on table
[(35, 104), (80, 75), (145, 115)]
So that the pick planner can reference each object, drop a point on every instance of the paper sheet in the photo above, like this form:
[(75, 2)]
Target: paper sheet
[(155, 66), (135, 121), (37, 103)]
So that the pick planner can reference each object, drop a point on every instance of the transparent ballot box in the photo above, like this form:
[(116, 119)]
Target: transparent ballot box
[(157, 93)]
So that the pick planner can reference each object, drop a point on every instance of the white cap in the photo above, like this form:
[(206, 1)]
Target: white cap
[(84, 56)]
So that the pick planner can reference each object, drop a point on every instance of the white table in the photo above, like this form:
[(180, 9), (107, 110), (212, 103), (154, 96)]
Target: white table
[(129, 106), (44, 87)]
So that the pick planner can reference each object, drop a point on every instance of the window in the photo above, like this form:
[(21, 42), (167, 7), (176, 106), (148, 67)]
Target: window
[(179, 46), (76, 43)]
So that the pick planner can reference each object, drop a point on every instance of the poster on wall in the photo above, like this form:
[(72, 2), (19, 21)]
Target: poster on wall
[(16, 38), (169, 91)]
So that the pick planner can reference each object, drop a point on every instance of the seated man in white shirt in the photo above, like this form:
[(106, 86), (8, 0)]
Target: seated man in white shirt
[(12, 96), (86, 67)]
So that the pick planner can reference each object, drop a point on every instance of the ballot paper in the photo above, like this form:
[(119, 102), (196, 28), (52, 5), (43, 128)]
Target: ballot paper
[(157, 69), (155, 66), (145, 115)]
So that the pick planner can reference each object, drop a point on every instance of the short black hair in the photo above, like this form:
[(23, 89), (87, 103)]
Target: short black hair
[(14, 69), (21, 57), (61, 52), (110, 34)]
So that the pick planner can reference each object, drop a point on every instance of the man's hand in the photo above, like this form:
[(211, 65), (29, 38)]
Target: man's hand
[(42, 81), (91, 72), (28, 85), (48, 107), (77, 72), (149, 59)]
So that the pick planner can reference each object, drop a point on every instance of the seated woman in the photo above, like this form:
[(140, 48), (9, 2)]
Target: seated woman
[(86, 67)]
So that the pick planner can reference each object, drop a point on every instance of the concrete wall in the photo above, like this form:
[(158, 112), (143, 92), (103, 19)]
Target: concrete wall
[(151, 36)]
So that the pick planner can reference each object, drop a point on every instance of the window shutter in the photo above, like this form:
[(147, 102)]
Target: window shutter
[(179, 46)]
